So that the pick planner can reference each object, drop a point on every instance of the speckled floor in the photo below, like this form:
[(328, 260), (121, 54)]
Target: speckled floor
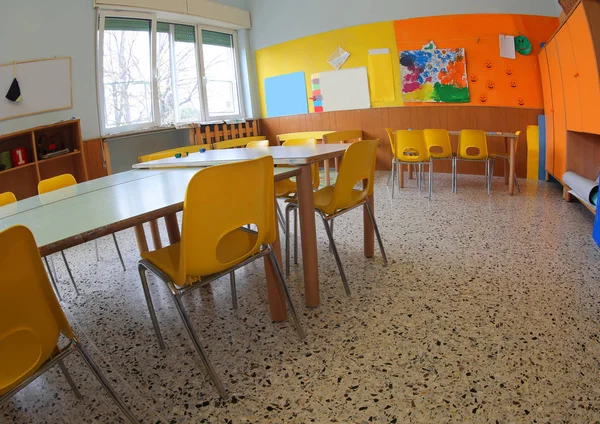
[(489, 311)]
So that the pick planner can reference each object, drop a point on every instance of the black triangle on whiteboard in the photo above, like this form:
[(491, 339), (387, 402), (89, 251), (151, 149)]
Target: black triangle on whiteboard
[(14, 92)]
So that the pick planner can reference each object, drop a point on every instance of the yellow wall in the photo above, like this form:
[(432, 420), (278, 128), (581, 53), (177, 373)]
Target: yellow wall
[(310, 54)]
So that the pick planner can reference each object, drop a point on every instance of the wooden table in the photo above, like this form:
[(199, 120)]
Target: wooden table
[(509, 138), (77, 214), (302, 157)]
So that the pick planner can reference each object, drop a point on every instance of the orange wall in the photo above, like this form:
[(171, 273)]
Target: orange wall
[(478, 35)]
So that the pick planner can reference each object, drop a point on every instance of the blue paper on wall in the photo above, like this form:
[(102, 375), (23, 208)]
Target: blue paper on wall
[(286, 95), (542, 167)]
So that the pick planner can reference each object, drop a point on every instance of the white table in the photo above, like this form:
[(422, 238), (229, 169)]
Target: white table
[(508, 138), (110, 204), (302, 157)]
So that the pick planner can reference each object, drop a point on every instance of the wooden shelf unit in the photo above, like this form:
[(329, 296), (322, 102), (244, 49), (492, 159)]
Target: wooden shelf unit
[(23, 180)]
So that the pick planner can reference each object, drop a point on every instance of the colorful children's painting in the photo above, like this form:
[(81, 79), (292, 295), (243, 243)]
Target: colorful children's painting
[(434, 75)]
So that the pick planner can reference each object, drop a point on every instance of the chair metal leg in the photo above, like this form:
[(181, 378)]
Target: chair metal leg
[(453, 175), (280, 214), (198, 347), (97, 253), (491, 176), (394, 170), (372, 216), (234, 299), (489, 179), (119, 251), (105, 383), (287, 239), (295, 236), (336, 255), (517, 183), (144, 280), (284, 287), (430, 177), (391, 173), (62, 252), (52, 279), (69, 379)]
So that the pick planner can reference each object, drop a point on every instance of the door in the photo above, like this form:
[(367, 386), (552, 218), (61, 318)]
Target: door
[(558, 102), (548, 110), (584, 52), (570, 79)]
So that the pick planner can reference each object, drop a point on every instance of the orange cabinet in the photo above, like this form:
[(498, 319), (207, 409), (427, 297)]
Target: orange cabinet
[(549, 111), (559, 164), (585, 54), (570, 79)]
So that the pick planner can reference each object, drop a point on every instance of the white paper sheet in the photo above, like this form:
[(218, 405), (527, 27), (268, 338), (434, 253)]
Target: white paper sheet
[(507, 46), (346, 89)]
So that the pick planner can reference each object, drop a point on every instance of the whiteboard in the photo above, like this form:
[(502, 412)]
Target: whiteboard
[(346, 89), (45, 86)]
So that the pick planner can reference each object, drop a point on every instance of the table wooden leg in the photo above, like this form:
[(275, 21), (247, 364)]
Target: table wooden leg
[(140, 236), (277, 305), (401, 175), (511, 172), (410, 172), (507, 150), (155, 233), (173, 228), (369, 231), (308, 236), (327, 175)]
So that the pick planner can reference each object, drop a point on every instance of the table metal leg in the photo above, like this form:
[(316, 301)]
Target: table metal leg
[(309, 237), (511, 173), (155, 233), (507, 150), (173, 228), (277, 306), (140, 236), (369, 231)]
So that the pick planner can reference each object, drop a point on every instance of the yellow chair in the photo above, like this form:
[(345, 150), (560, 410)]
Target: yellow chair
[(31, 321), (7, 198), (257, 144), (208, 252), (286, 189), (472, 147), (56, 183), (506, 156), (358, 166), (317, 135), (439, 148), (411, 149), (339, 137), (236, 142)]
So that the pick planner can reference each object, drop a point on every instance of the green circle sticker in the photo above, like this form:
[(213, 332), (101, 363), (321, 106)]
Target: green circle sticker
[(522, 45)]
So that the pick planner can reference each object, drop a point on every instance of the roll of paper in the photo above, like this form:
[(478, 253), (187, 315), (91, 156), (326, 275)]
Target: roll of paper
[(584, 188)]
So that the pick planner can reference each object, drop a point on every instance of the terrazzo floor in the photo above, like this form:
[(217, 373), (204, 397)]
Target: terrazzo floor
[(489, 311)]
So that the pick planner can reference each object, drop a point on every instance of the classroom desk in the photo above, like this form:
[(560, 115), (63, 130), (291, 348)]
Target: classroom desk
[(113, 204), (303, 157), (509, 138)]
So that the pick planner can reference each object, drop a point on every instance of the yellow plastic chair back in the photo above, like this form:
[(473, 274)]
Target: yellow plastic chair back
[(438, 139), (342, 136), (390, 133), (237, 142), (31, 319), (358, 166), (316, 177), (234, 195), (55, 183), (411, 146), (7, 198), (518, 134), (258, 143), (317, 135), (472, 139)]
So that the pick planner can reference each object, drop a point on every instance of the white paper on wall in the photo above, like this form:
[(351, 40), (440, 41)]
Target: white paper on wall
[(346, 89)]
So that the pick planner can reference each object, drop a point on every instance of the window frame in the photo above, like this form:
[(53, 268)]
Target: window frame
[(156, 122), (238, 74)]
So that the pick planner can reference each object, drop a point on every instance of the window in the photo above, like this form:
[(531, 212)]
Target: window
[(153, 73)]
